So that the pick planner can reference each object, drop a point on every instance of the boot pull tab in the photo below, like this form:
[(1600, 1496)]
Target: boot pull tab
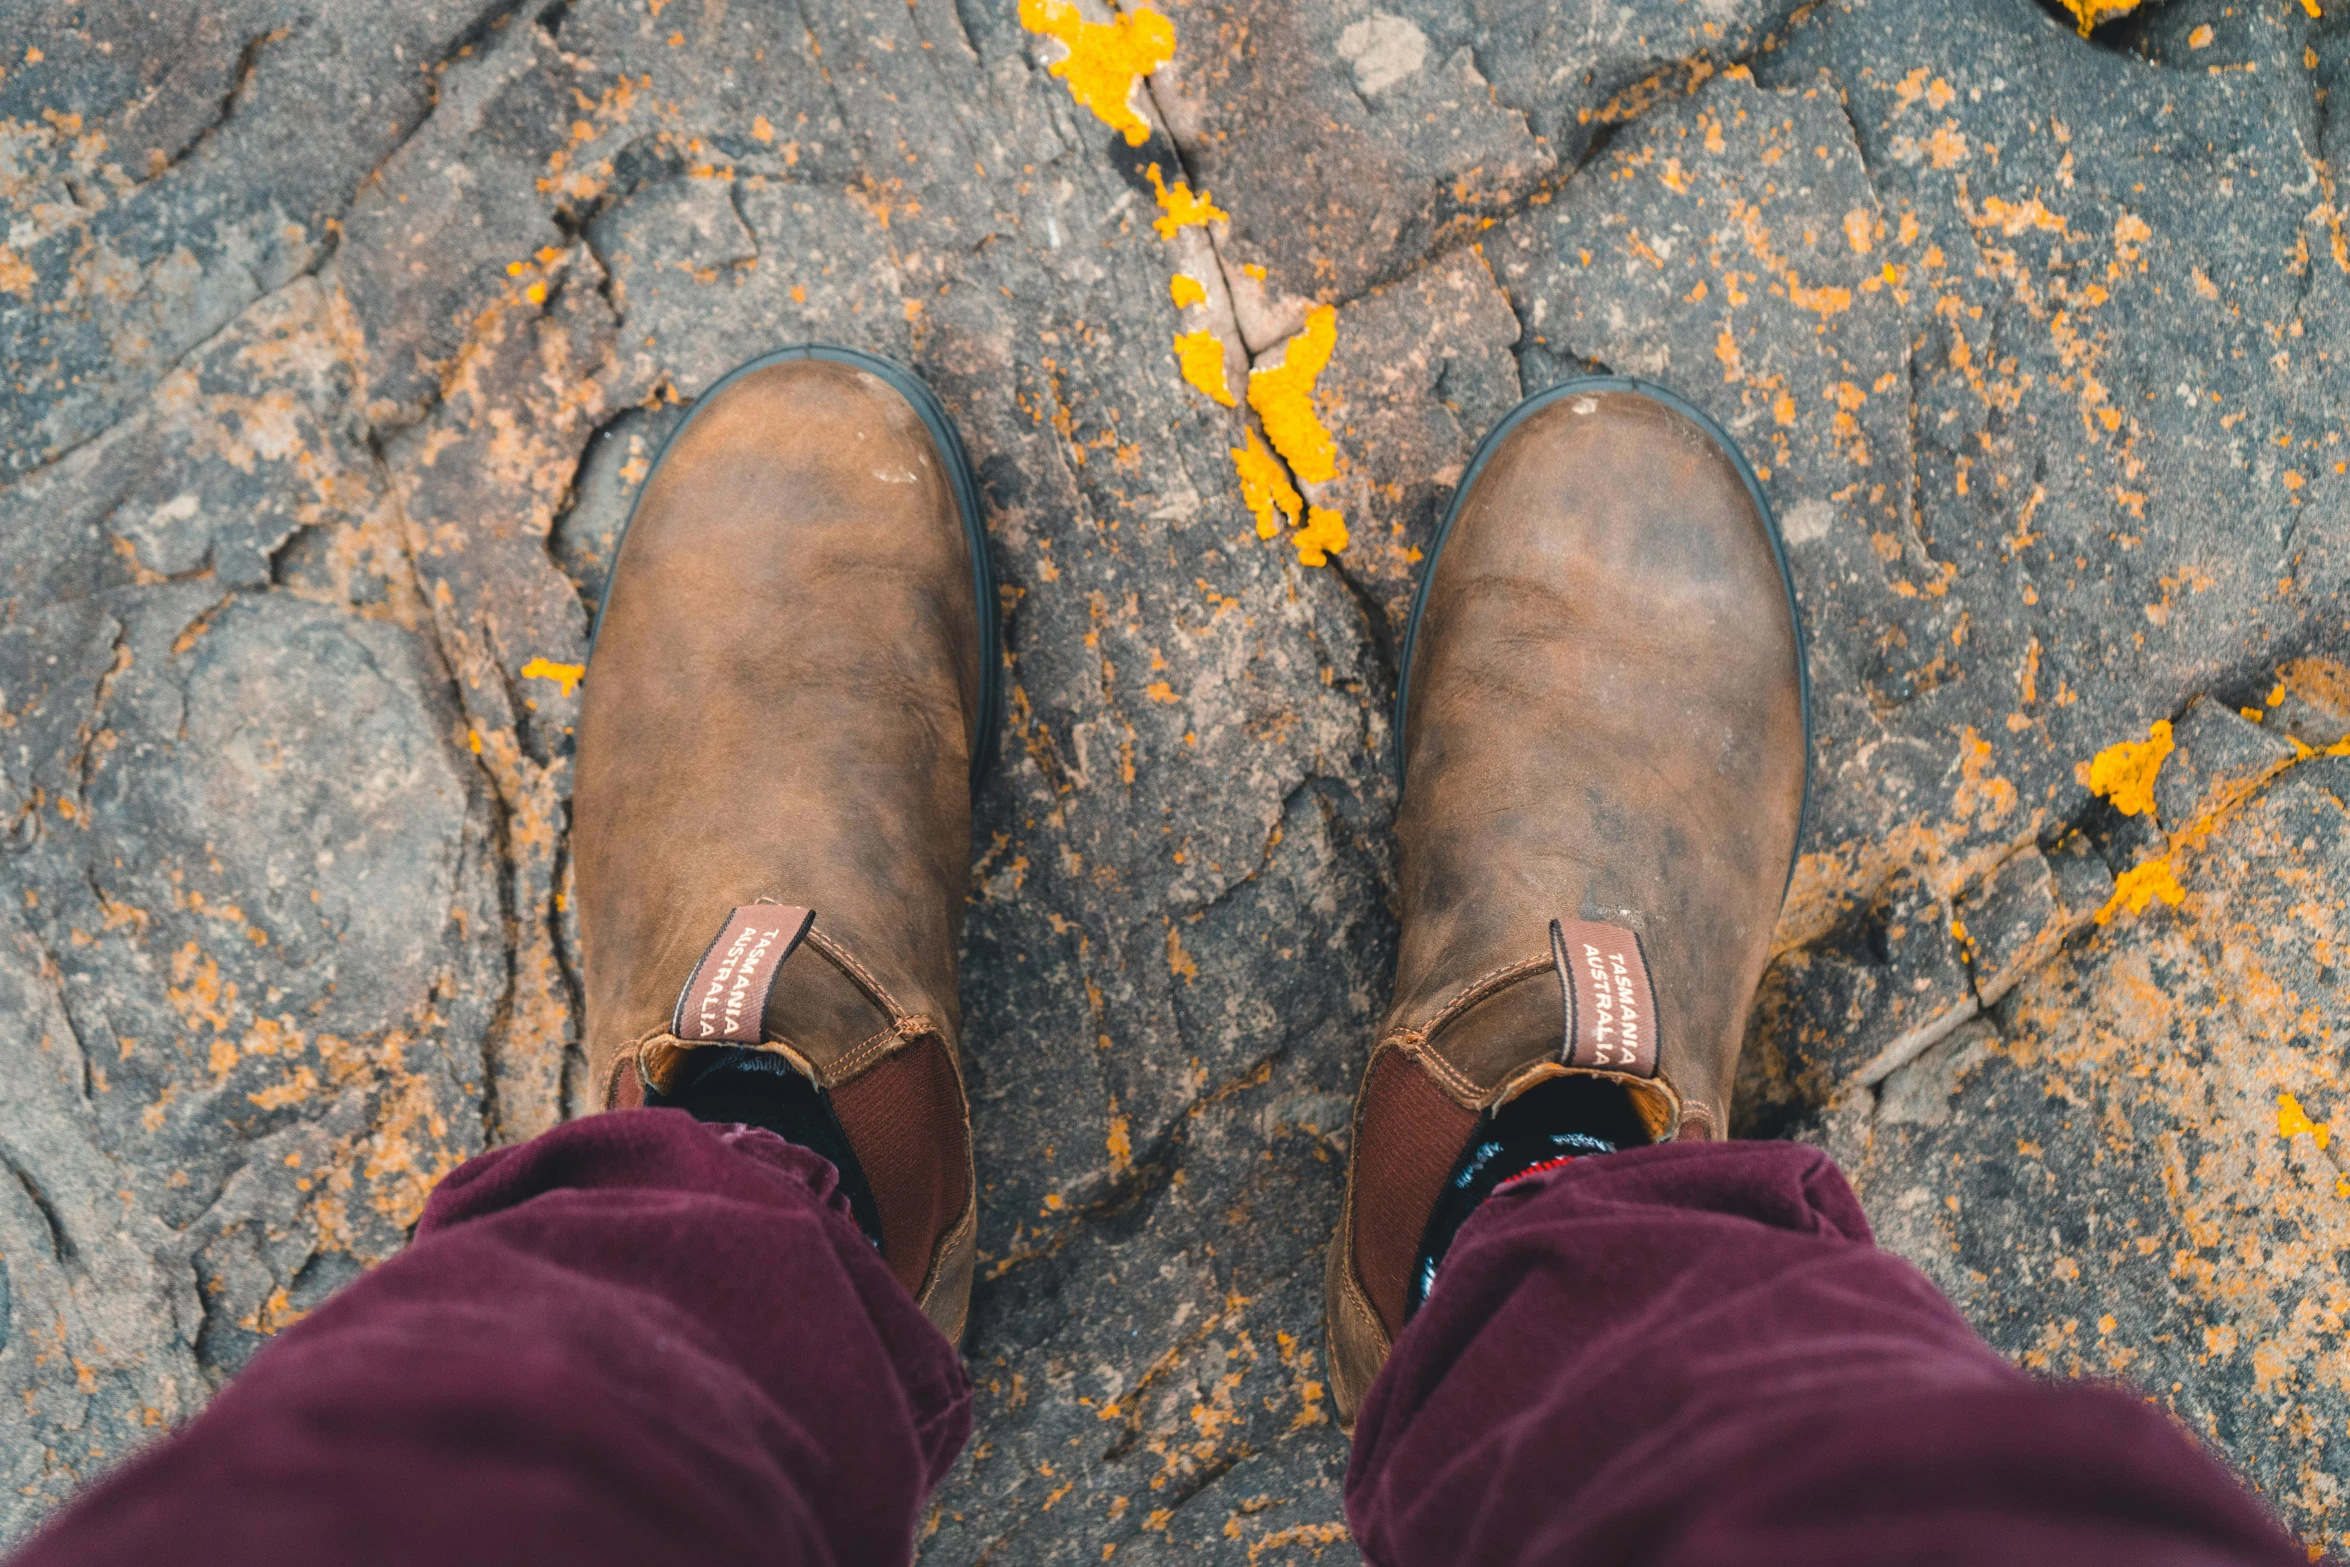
[(725, 998), (1609, 999)]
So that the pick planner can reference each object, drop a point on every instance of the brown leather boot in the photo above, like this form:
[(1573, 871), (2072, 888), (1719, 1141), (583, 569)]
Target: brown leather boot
[(791, 693), (1605, 724)]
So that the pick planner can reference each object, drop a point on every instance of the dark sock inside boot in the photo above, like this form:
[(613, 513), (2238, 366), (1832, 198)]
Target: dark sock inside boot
[(1553, 1122), (760, 1088)]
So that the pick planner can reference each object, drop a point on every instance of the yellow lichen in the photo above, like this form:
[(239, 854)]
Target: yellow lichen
[(2124, 773), (2091, 12), (564, 675), (1186, 290), (1105, 59), (2292, 1121), (1264, 486), (2141, 885), (1283, 397), (1202, 356), (1324, 532), (1182, 208)]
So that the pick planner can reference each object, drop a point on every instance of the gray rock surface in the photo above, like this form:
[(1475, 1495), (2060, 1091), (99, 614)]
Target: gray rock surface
[(338, 341)]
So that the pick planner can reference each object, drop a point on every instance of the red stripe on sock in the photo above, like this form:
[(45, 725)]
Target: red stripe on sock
[(1561, 1162)]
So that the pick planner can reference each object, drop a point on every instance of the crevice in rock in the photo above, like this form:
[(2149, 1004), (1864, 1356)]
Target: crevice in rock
[(86, 733), (1453, 237), (1125, 1203), (448, 652), (1207, 1474), (963, 12), (240, 82), (569, 972), (568, 505), (132, 409), (1308, 785), (61, 1244), (486, 23)]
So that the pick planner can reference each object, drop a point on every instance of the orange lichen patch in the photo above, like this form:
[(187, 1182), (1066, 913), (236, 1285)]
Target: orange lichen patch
[(2130, 1035), (1265, 486), (1183, 209), (1186, 290), (565, 675), (1201, 354), (2141, 885), (1179, 962), (1316, 1535), (2091, 12), (1826, 300), (16, 275), (2014, 218), (2321, 682), (1283, 397), (2124, 773), (1324, 533), (1105, 59), (196, 992), (2292, 1121)]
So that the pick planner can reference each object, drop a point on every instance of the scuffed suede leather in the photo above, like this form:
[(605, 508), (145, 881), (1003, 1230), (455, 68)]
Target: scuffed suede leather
[(1606, 723), (780, 705)]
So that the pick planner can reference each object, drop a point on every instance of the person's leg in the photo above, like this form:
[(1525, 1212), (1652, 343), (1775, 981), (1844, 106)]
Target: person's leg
[(1615, 1339), (1694, 1356), (635, 1339)]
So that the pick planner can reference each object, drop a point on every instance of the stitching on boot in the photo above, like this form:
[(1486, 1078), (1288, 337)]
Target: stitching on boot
[(1483, 986), (1457, 1087), (1356, 1304), (1351, 1296), (964, 1226), (857, 974), (868, 1053)]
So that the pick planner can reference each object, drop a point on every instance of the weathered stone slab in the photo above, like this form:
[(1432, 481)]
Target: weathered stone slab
[(2118, 280), (247, 929), (2221, 759), (328, 413), (1842, 1012), (2016, 918), (2099, 1175), (1422, 370), (1343, 141), (166, 168)]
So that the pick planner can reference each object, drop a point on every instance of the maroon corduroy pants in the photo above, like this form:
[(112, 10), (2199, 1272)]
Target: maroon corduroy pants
[(642, 1340)]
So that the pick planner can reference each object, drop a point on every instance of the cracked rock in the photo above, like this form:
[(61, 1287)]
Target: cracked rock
[(2030, 905), (343, 338), (1841, 1013), (1344, 150), (2220, 758)]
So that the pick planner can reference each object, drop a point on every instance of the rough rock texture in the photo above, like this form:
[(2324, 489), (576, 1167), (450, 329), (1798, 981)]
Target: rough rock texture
[(338, 341)]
